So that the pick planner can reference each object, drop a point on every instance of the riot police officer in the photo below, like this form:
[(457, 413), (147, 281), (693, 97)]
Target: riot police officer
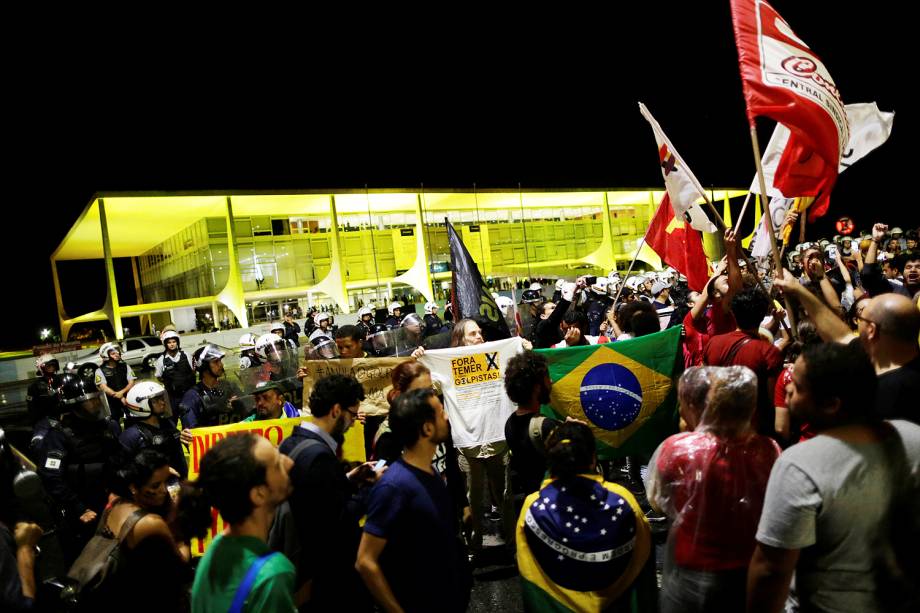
[(394, 309), (149, 403), (365, 320), (213, 401), (433, 323), (41, 397), (248, 356), (114, 378), (174, 368), (596, 305), (73, 452)]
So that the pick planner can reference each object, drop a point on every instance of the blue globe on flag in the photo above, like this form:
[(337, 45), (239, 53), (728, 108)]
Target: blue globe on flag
[(611, 396)]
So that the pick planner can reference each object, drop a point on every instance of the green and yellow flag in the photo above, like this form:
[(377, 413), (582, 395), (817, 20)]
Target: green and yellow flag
[(624, 390)]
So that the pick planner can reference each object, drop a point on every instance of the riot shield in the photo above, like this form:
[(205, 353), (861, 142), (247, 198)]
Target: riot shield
[(400, 342), (280, 367)]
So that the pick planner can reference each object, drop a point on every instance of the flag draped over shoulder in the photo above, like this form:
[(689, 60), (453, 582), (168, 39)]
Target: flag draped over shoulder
[(471, 297), (581, 545), (679, 245), (783, 79), (623, 390), (683, 188)]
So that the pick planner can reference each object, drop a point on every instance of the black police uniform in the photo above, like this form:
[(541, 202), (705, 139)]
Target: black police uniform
[(202, 406), (433, 325), (178, 376), (163, 438), (73, 457), (41, 397), (392, 322), (596, 311), (116, 378)]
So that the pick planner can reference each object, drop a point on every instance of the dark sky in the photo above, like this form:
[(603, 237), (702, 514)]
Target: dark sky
[(546, 101)]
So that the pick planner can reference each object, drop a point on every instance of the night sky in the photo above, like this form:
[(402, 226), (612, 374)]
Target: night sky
[(544, 100)]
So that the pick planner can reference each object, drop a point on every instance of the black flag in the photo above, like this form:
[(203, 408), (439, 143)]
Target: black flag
[(469, 295)]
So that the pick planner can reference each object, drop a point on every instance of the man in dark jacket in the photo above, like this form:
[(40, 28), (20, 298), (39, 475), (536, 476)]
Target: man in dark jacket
[(291, 329), (327, 501)]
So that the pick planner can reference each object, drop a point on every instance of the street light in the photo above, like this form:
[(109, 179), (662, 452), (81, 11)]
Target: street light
[(45, 333)]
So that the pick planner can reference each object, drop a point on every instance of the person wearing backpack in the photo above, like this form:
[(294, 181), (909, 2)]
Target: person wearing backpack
[(527, 383), (133, 543), (328, 502), (245, 479)]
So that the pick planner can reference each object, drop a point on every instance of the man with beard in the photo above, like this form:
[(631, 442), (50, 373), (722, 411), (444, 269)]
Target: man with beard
[(874, 279), (410, 556), (327, 501)]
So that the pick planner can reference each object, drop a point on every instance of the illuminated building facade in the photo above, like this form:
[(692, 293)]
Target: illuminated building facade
[(248, 256)]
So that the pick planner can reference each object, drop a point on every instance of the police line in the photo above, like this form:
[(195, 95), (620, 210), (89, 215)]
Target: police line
[(275, 431)]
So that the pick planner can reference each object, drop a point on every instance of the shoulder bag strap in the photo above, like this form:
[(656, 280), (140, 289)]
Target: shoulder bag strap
[(242, 592)]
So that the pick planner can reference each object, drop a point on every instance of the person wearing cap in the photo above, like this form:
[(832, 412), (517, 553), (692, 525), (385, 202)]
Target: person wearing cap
[(114, 378), (270, 403), (365, 321), (661, 292)]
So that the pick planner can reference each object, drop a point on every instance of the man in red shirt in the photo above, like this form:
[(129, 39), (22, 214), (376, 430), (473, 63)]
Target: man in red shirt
[(745, 347)]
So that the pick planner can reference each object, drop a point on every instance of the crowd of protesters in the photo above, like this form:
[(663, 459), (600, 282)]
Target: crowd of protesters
[(792, 482)]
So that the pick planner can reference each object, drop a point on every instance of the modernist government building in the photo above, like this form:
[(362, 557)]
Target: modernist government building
[(241, 258)]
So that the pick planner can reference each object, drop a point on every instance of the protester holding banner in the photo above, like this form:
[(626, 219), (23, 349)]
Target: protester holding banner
[(270, 403), (471, 378)]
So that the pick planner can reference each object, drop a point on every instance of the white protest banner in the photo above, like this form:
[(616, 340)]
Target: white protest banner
[(473, 381)]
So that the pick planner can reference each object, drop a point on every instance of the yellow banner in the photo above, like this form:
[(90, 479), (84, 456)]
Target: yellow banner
[(275, 430)]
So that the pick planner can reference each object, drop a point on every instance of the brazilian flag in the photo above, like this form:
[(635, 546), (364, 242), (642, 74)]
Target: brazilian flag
[(624, 390)]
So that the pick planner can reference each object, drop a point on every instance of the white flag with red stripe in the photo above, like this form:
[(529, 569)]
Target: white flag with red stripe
[(683, 188)]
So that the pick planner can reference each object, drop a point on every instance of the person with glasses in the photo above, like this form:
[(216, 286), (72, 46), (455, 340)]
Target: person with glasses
[(888, 328), (328, 499)]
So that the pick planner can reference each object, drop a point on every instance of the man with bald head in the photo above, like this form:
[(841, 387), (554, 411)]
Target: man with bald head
[(888, 329)]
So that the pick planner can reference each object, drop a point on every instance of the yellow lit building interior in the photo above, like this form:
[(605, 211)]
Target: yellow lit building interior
[(232, 252)]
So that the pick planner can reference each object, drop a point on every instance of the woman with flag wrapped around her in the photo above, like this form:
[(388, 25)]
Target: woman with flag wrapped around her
[(583, 543)]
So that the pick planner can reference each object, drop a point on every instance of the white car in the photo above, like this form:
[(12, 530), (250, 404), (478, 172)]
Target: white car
[(139, 352)]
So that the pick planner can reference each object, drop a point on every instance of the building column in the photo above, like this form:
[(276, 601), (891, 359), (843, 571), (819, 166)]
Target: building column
[(111, 302), (419, 275), (333, 284), (232, 294)]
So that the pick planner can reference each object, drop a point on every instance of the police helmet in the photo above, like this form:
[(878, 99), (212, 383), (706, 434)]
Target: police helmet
[(81, 397), (148, 398), (106, 348), (600, 286), (168, 335), (412, 319), (531, 296), (322, 317), (393, 306), (46, 359), (365, 310), (430, 308), (276, 326), (504, 304), (248, 341), (205, 355), (270, 347), (559, 284)]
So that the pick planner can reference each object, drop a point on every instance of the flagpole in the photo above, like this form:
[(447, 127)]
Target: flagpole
[(777, 260), (747, 260), (743, 209), (629, 270)]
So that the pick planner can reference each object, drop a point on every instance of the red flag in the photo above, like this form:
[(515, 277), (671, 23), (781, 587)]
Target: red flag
[(678, 244), (784, 80)]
